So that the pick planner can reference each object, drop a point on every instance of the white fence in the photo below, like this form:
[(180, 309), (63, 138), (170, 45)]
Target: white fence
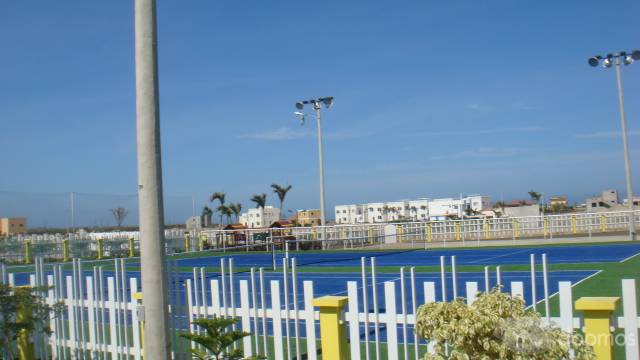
[(103, 319)]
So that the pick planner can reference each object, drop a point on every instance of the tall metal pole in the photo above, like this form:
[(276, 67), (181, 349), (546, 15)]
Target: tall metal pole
[(73, 214), (627, 161), (316, 105), (152, 243)]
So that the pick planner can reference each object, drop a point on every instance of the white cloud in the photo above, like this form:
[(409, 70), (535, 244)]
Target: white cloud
[(605, 134), (524, 129), (480, 153), (283, 133), (286, 133)]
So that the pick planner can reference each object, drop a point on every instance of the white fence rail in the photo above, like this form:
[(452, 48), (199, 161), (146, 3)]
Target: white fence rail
[(102, 318)]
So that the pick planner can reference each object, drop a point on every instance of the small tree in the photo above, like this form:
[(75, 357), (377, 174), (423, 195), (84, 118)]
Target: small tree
[(260, 200), (535, 196), (495, 326), (281, 191), (119, 214), (16, 302), (216, 339)]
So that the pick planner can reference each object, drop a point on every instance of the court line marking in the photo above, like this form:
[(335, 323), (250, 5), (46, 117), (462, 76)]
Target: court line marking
[(572, 285)]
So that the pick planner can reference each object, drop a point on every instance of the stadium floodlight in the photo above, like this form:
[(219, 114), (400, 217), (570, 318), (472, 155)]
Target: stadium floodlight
[(317, 105), (618, 59), (628, 60), (301, 115)]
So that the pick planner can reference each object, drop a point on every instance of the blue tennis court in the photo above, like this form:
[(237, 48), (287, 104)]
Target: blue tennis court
[(474, 256)]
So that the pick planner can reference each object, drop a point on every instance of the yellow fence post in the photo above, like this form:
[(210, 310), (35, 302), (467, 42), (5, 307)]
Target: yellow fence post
[(399, 232), (187, 242), (65, 250), (201, 240), (25, 346), (138, 298), (100, 241), (597, 323), (27, 252), (429, 232), (485, 227), (333, 330), (457, 231), (603, 223), (516, 229), (574, 228), (132, 247), (370, 234), (545, 227)]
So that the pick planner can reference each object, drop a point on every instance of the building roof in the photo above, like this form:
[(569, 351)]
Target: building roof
[(235, 227)]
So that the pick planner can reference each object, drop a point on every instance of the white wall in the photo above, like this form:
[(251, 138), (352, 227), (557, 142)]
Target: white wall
[(259, 217)]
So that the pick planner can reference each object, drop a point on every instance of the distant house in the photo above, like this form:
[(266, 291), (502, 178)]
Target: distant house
[(260, 217), (607, 199), (13, 226), (308, 217), (520, 208), (558, 201)]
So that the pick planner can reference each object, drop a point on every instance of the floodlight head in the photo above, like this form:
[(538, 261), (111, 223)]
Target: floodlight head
[(301, 115), (635, 54), (593, 61), (327, 101), (607, 63), (628, 60), (299, 105)]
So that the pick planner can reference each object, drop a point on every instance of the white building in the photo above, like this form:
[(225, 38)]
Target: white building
[(413, 210), (260, 217)]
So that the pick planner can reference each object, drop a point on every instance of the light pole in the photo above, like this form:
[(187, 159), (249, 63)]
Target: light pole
[(317, 105), (607, 62), (152, 253)]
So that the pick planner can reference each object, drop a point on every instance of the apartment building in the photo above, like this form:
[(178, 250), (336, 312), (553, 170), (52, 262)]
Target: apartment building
[(308, 217), (12, 226), (260, 217), (412, 210)]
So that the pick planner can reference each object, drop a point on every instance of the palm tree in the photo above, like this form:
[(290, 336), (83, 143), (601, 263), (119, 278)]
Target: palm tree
[(225, 211), (260, 200), (281, 191), (220, 197), (236, 209), (535, 196), (206, 214)]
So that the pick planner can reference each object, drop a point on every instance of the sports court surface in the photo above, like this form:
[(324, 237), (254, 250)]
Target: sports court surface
[(569, 254)]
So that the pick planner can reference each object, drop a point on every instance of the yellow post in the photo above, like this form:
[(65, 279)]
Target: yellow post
[(132, 247), (333, 330), (370, 234), (65, 250), (516, 229), (573, 225), (25, 346), (486, 230), (597, 323), (187, 242), (27, 251), (100, 248), (399, 232), (429, 232), (201, 240), (138, 298), (545, 227), (457, 231), (603, 223)]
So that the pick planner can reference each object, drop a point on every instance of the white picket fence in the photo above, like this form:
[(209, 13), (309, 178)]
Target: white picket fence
[(102, 319)]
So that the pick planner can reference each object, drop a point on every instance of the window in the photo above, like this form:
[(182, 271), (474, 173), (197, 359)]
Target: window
[(379, 217), (594, 205), (344, 211)]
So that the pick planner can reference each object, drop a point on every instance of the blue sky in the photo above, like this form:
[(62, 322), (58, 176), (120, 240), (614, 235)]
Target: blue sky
[(432, 98)]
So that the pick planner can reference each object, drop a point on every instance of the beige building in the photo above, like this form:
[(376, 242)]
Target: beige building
[(11, 226), (558, 201), (309, 217)]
